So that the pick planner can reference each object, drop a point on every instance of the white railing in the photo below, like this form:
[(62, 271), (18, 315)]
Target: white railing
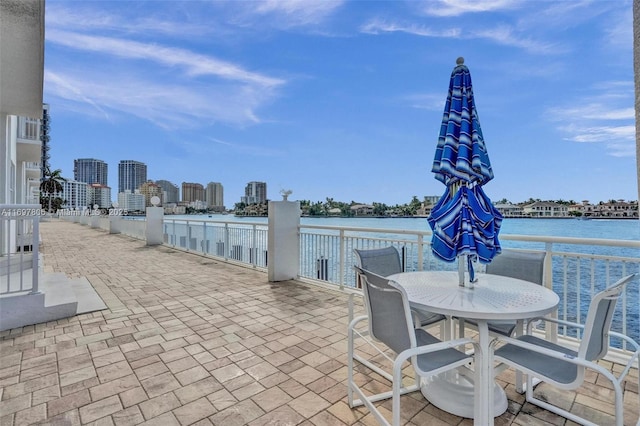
[(575, 269), (231, 241), (134, 228), (19, 248)]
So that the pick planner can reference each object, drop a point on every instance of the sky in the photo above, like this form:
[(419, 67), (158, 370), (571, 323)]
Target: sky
[(344, 99)]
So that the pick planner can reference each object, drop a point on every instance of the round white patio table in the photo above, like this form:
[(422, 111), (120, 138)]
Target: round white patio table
[(492, 298)]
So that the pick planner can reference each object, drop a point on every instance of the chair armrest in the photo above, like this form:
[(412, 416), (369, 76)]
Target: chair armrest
[(356, 320), (531, 321), (447, 344)]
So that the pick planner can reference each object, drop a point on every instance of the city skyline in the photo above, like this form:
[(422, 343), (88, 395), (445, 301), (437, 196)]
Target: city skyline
[(344, 99)]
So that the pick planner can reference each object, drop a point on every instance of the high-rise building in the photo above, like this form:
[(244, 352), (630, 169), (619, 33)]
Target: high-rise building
[(170, 191), (192, 192), (99, 194), (74, 194), (214, 195), (130, 201), (131, 174), (150, 189), (90, 170), (255, 193)]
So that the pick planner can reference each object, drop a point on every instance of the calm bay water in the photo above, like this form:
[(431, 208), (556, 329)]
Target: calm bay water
[(615, 229)]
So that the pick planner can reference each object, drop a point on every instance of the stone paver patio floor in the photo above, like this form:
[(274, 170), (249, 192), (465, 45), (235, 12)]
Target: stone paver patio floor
[(192, 340)]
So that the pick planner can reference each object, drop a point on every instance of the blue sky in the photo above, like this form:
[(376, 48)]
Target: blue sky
[(344, 99)]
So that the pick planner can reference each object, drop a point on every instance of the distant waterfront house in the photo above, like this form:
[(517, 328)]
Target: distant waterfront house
[(509, 210), (616, 209), (362, 209), (546, 209)]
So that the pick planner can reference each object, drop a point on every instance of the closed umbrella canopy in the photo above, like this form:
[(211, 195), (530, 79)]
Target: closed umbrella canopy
[(464, 221)]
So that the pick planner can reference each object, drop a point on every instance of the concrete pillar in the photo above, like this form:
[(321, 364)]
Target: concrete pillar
[(115, 224), (283, 248), (155, 217), (94, 219)]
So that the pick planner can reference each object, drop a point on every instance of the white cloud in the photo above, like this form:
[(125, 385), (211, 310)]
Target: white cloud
[(461, 7), (377, 26), (430, 102), (503, 34), (169, 105), (193, 63), (289, 13), (605, 118)]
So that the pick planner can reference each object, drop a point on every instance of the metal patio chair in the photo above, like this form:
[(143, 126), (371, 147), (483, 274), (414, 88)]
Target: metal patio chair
[(391, 323), (528, 266), (384, 262), (565, 368)]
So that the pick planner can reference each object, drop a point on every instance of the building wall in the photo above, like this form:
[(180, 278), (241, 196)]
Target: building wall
[(74, 194), (150, 189), (100, 195), (170, 191), (192, 192), (255, 193), (90, 170), (131, 174), (214, 195), (131, 201)]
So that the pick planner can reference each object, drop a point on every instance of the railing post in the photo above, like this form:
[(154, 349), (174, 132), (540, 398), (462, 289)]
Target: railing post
[(35, 254), (551, 329), (226, 241), (420, 252), (283, 245), (343, 256)]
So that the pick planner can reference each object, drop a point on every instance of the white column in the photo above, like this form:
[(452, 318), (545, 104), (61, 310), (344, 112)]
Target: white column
[(283, 248), (115, 224), (155, 216)]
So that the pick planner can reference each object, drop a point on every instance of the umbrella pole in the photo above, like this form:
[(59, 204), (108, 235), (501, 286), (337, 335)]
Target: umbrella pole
[(462, 259)]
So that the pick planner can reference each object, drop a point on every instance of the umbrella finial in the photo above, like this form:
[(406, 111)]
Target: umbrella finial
[(460, 61)]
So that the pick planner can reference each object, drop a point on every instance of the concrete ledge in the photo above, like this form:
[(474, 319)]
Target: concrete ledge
[(59, 297)]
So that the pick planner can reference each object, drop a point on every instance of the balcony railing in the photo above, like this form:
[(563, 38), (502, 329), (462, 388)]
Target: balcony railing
[(19, 248)]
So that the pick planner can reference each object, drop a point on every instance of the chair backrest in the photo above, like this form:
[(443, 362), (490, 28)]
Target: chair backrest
[(595, 341), (528, 266), (390, 320), (384, 261)]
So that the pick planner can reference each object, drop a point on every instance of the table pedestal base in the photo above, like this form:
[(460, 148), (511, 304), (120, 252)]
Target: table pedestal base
[(453, 393)]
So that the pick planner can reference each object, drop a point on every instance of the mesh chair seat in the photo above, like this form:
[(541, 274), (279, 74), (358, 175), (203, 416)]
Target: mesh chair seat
[(436, 360), (562, 371)]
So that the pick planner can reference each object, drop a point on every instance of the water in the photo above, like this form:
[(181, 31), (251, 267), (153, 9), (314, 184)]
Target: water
[(615, 229)]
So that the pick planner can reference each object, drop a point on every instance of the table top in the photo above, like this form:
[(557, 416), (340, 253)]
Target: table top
[(493, 297)]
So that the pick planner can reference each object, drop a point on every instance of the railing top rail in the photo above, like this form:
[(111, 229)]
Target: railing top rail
[(215, 222), (515, 237), (362, 229), (572, 240)]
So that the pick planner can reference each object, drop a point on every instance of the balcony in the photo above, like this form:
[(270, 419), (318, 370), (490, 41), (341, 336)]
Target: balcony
[(189, 337)]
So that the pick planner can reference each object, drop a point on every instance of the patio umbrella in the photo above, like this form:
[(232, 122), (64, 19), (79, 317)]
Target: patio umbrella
[(465, 223)]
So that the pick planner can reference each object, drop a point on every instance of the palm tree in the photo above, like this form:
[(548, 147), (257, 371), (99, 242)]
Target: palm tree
[(51, 183)]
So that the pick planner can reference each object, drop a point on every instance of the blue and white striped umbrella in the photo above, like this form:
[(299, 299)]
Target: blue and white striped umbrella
[(464, 221)]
